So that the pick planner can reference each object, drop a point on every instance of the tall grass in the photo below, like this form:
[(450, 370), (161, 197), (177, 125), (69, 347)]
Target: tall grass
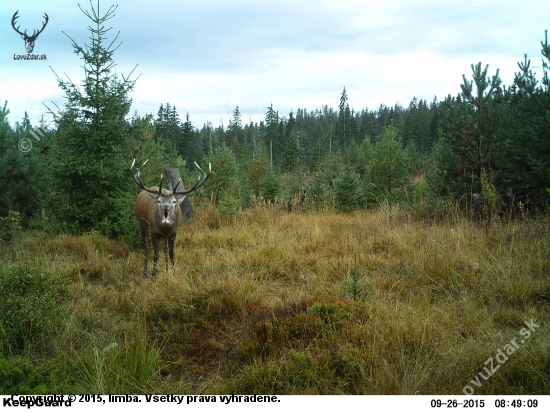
[(373, 302), (133, 366)]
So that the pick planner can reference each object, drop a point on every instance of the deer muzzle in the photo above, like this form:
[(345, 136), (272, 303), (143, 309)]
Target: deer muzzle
[(165, 215)]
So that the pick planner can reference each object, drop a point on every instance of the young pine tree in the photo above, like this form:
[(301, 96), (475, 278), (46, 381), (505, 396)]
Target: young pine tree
[(469, 135), (525, 161)]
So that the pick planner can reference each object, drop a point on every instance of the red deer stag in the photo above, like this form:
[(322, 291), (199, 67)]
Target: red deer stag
[(159, 209)]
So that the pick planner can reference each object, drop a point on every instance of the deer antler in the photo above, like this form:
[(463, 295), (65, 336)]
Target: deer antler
[(135, 176), (199, 182)]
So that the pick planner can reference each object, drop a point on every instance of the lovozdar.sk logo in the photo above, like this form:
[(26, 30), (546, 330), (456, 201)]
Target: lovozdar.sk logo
[(29, 40)]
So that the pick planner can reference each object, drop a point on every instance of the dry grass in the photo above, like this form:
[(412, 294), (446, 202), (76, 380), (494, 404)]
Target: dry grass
[(258, 302)]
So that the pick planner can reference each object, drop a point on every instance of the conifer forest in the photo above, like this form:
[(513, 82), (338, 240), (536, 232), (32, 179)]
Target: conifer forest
[(333, 250)]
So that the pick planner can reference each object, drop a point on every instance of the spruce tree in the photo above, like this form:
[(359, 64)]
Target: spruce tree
[(270, 187), (92, 148), (235, 134), (290, 125), (417, 126), (169, 131), (344, 133), (291, 154), (174, 131), (273, 137), (366, 127), (319, 143), (347, 191), (390, 162), (189, 146)]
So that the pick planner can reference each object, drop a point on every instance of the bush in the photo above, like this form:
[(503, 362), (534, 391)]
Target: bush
[(22, 376), (29, 309)]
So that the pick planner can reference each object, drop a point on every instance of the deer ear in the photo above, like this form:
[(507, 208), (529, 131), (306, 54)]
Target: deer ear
[(155, 197), (180, 198)]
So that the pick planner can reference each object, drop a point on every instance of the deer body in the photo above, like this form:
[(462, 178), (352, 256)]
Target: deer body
[(158, 211), (150, 213)]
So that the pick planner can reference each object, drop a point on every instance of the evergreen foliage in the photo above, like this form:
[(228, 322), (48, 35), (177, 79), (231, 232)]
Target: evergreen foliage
[(190, 147), (495, 139), (273, 137), (488, 139), (470, 126), (271, 187), (225, 181), (525, 157), (347, 191), (168, 129), (148, 147), (21, 167), (390, 163), (365, 156), (255, 171), (291, 154), (91, 151), (342, 127), (13, 166)]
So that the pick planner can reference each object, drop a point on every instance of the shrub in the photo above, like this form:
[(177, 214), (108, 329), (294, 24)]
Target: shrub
[(29, 309), (22, 376)]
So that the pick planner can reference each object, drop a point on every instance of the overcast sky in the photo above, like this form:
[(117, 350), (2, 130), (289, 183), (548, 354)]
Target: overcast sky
[(206, 57)]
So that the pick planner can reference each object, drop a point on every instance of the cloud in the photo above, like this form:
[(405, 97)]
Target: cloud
[(208, 57)]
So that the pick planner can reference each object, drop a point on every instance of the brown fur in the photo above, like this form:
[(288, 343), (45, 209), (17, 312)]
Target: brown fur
[(150, 214)]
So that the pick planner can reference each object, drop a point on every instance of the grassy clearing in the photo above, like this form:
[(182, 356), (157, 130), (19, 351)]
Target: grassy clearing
[(375, 302)]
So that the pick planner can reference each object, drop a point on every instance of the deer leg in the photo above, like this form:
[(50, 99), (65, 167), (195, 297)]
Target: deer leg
[(156, 245), (171, 241), (144, 228), (165, 245)]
